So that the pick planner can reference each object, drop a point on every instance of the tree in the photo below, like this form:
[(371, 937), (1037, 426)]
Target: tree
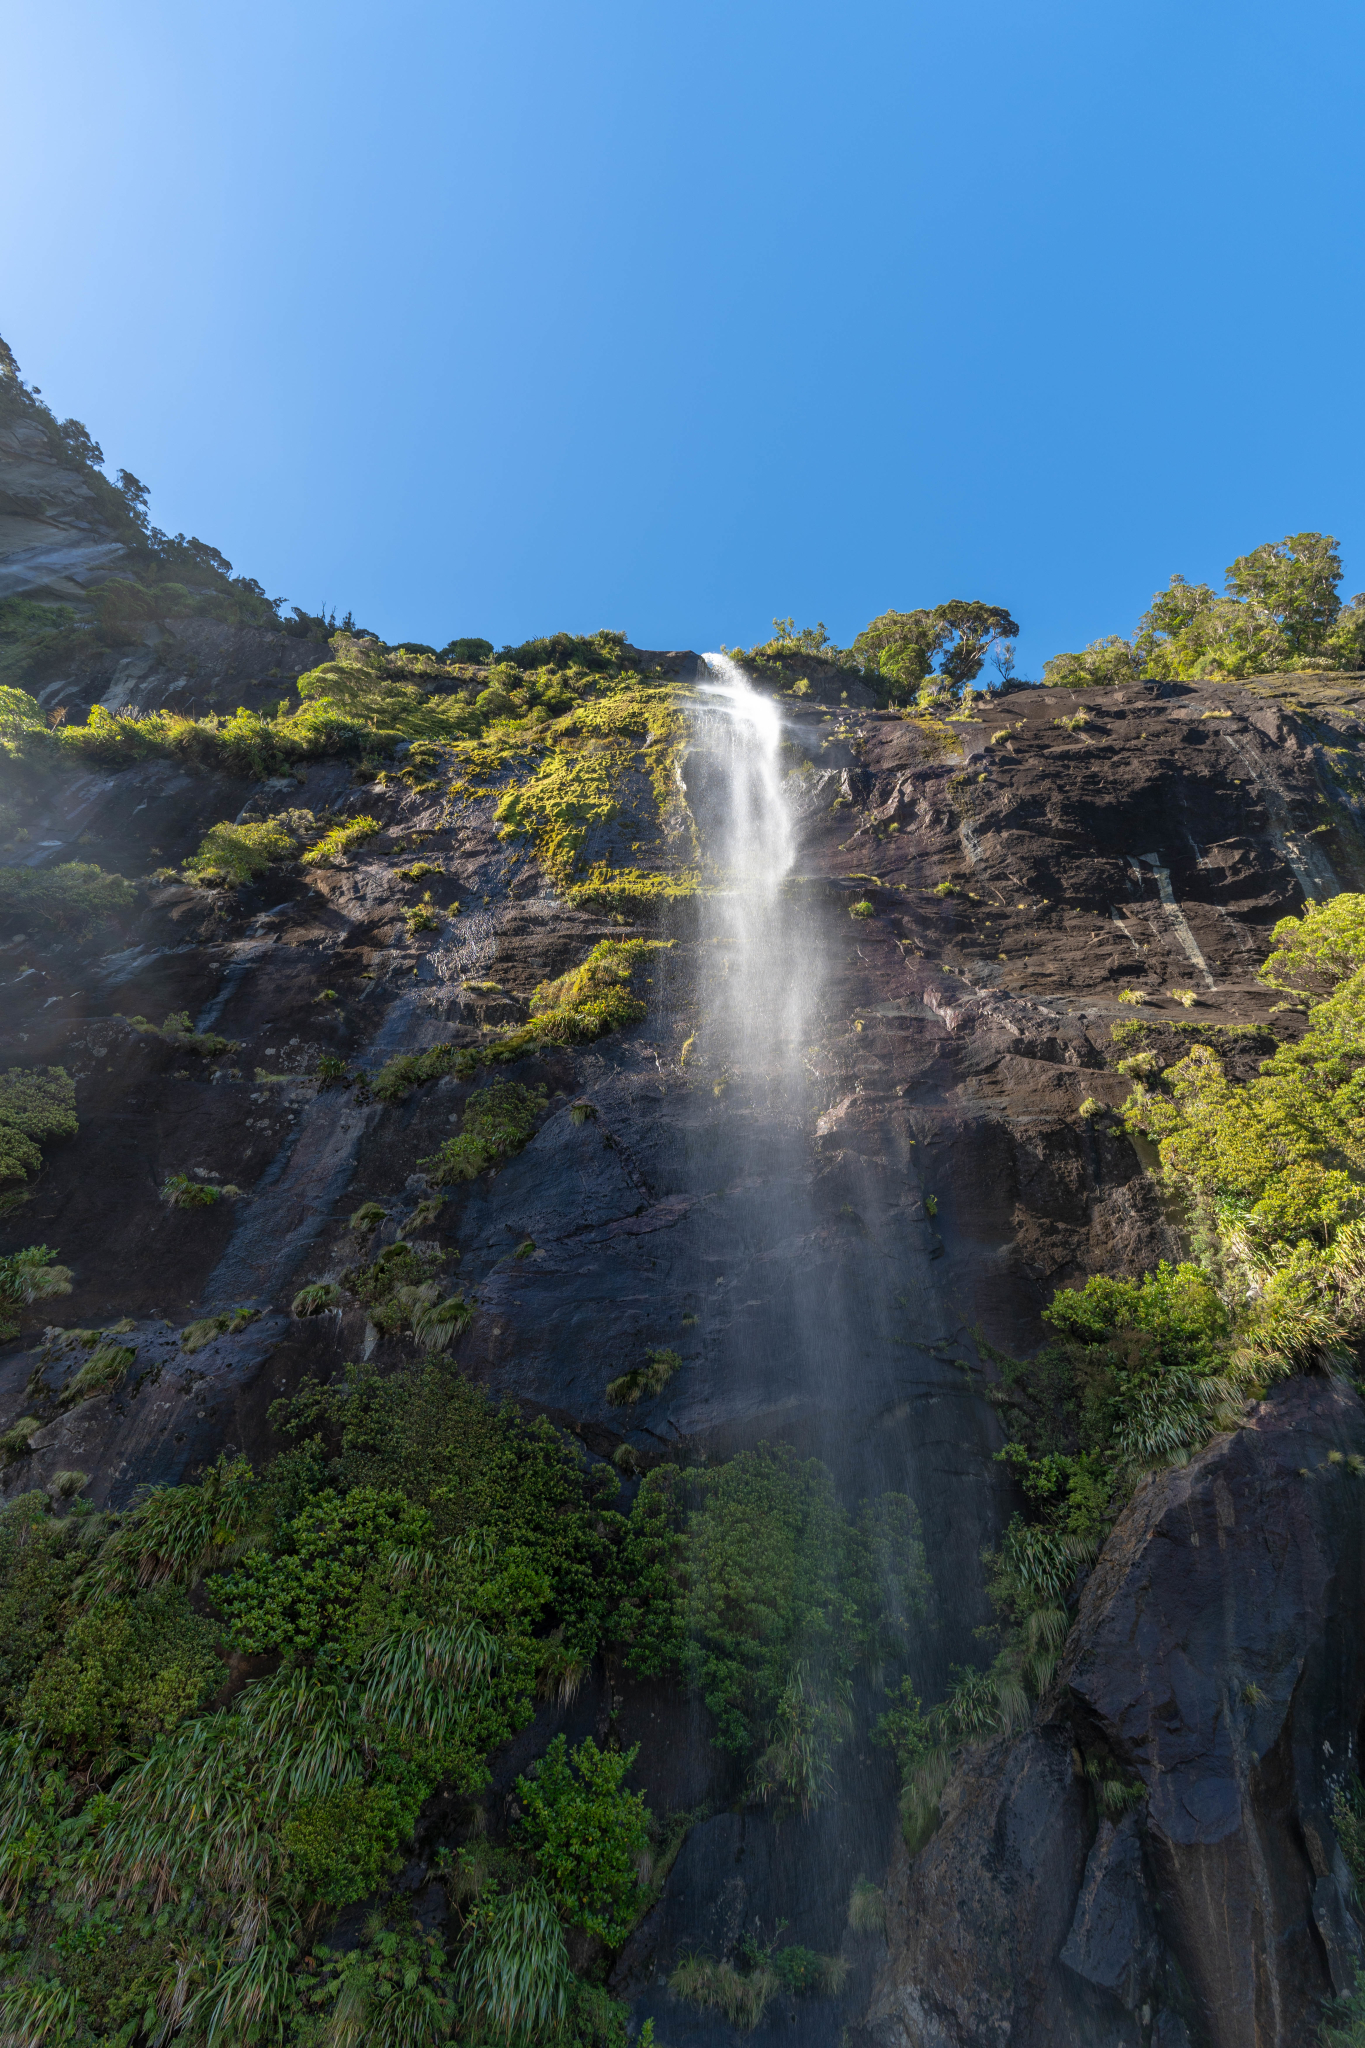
[(1110, 660), (1294, 583), (902, 646), (1281, 611)]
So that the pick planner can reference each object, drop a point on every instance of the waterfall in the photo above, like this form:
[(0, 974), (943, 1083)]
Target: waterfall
[(760, 967)]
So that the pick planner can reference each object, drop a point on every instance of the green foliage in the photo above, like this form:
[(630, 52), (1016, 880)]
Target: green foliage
[(311, 1587), (1106, 662), (1343, 2023), (1348, 1817), (238, 853), (743, 1990), (867, 1908), (495, 1125), (178, 1191), (339, 841), (315, 1299), (632, 892), (1138, 1378), (72, 898), (1273, 1168), (589, 1835), (1280, 611), (753, 1580), (398, 1077), (650, 1378), (36, 1107), (179, 1033), (341, 1845), (126, 1669), (861, 909), (101, 1372), (513, 1973), (227, 1323), (27, 1276), (901, 647)]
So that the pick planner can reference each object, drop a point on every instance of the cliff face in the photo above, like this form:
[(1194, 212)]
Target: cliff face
[(1217, 1660), (948, 1187)]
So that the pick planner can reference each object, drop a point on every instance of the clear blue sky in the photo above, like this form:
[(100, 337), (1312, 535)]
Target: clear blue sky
[(502, 317)]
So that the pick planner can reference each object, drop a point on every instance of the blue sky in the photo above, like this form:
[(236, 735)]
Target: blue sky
[(502, 317)]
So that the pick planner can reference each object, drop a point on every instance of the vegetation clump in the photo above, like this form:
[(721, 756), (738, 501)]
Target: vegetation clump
[(339, 840), (178, 1191), (37, 1106), (900, 648), (27, 1276), (1281, 611), (72, 898), (752, 1581), (234, 854), (650, 1378), (178, 1031), (495, 1124)]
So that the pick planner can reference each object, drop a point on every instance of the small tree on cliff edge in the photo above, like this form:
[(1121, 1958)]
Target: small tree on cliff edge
[(902, 647)]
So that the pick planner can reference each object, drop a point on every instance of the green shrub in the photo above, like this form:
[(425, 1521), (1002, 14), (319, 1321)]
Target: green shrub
[(650, 1378), (861, 909), (588, 1834), (178, 1032), (101, 1372), (341, 1845), (27, 1276), (513, 1973), (1104, 663), (74, 897), (339, 841), (196, 1335), (36, 1107), (496, 1123), (127, 1669), (867, 1908), (178, 1191), (238, 853), (753, 1581), (310, 1590), (314, 1300), (575, 1009), (398, 1077)]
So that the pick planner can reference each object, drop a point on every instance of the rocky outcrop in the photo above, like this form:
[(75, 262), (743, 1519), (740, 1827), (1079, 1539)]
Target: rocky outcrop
[(1217, 1666), (52, 536)]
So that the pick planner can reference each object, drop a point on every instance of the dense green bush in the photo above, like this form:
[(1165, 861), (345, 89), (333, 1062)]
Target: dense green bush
[(238, 853), (495, 1124), (36, 1107), (74, 897), (754, 1581), (589, 1835)]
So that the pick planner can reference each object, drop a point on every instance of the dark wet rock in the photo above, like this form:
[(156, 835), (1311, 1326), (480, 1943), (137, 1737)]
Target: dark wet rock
[(1218, 1660)]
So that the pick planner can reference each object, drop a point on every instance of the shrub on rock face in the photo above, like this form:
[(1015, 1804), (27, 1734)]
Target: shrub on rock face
[(28, 1276), (36, 1106), (497, 1122), (588, 1834), (238, 853), (73, 898)]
